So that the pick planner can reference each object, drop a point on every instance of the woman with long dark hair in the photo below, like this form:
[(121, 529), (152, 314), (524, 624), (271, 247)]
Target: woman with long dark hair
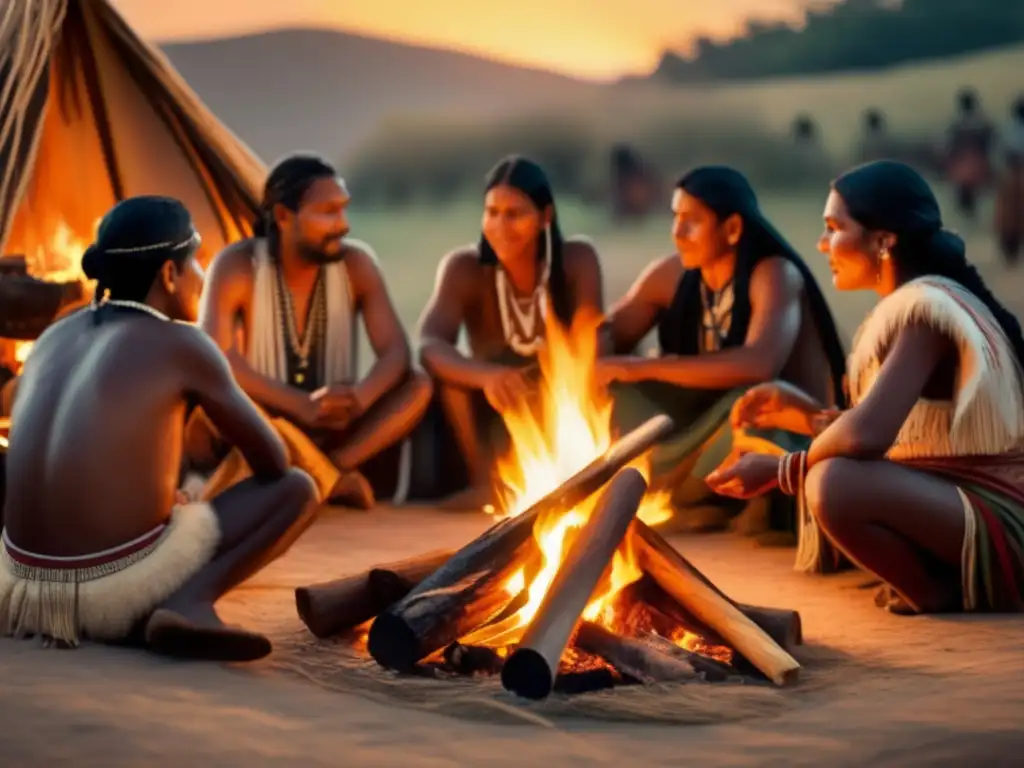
[(734, 307), (921, 481), (503, 291)]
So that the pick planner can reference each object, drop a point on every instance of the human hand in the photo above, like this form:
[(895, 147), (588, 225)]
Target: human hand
[(757, 407), (746, 476), (608, 370), (337, 406), (822, 420), (505, 388)]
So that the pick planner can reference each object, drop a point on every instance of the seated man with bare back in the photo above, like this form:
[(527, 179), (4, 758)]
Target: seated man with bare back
[(734, 307), (97, 543), (501, 291), (284, 307)]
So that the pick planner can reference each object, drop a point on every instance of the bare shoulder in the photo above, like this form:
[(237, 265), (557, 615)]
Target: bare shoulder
[(459, 268), (580, 253), (195, 353), (579, 248), (667, 267), (362, 262), (233, 266), (776, 273), (657, 283)]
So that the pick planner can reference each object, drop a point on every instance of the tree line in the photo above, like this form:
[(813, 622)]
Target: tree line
[(851, 35)]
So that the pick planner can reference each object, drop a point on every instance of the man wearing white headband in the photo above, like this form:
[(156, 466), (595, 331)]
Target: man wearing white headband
[(97, 543)]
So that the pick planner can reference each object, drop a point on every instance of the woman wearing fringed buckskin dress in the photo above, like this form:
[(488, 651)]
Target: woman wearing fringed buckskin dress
[(921, 481), (503, 290)]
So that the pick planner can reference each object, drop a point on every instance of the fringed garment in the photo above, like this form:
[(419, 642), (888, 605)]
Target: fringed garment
[(975, 440), (103, 596)]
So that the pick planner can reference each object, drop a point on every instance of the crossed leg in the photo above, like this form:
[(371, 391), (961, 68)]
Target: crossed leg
[(388, 421), (259, 521), (904, 526)]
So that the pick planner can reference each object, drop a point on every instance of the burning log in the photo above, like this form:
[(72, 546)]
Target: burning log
[(473, 659), (530, 671), (28, 306), (467, 591), (687, 586), (584, 682), (335, 606), (781, 625), (712, 670), (463, 594), (633, 658)]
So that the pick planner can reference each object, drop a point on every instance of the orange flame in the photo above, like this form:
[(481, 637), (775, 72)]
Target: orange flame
[(58, 261), (565, 428)]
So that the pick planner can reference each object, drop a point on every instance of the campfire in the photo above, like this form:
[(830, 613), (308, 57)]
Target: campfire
[(45, 265), (571, 589)]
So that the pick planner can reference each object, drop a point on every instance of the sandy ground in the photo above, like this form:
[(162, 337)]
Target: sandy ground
[(877, 689)]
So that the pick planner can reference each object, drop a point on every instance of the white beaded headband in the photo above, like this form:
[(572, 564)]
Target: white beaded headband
[(193, 239)]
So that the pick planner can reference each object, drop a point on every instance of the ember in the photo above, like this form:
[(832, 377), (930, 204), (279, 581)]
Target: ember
[(572, 578)]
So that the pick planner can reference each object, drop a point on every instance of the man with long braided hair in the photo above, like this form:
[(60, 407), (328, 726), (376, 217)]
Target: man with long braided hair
[(284, 307)]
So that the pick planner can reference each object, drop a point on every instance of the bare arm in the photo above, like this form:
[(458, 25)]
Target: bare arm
[(776, 288), (440, 324), (230, 410), (634, 315), (870, 428), (387, 337), (583, 269), (226, 294)]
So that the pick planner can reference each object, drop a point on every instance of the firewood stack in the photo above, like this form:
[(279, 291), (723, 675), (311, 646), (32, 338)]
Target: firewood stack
[(451, 610)]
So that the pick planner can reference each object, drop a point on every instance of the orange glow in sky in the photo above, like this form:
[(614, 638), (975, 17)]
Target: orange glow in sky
[(597, 39)]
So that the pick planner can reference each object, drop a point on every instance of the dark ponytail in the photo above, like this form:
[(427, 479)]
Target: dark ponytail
[(945, 254), (94, 265), (888, 196)]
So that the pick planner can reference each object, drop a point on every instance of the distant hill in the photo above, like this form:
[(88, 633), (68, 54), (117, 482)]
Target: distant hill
[(848, 36), (298, 89)]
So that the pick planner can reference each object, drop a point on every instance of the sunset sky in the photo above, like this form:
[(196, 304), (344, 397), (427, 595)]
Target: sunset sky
[(588, 38)]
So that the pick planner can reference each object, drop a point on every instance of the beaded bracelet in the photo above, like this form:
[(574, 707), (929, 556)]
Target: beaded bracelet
[(783, 475), (792, 468)]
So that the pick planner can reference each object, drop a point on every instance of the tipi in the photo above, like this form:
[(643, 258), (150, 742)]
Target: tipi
[(91, 114)]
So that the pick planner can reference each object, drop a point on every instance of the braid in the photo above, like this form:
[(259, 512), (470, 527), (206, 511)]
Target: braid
[(944, 254), (969, 277)]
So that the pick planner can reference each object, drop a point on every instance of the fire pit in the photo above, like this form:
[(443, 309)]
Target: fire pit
[(572, 590)]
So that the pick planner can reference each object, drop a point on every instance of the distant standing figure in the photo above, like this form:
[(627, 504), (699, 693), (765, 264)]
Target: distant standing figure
[(968, 147), (805, 132), (874, 135), (1010, 196), (634, 186)]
